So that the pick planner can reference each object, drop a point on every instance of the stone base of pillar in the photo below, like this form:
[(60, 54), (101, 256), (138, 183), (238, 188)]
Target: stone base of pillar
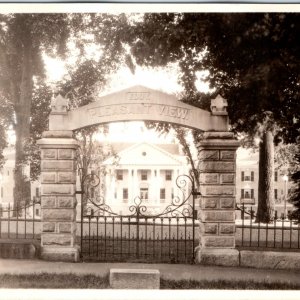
[(65, 254), (217, 257)]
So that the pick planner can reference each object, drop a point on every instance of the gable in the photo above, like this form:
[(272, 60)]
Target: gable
[(145, 154)]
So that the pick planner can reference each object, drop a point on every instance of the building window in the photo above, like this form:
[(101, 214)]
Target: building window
[(119, 174), (247, 176), (162, 195), (144, 175), (37, 212), (92, 192), (275, 194), (37, 192), (144, 194), (125, 195), (276, 176), (168, 175), (247, 193)]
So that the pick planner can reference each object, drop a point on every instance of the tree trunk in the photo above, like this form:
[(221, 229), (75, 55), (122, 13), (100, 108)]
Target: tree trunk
[(265, 209), (22, 128)]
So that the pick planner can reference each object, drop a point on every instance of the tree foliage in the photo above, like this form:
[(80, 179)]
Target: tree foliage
[(24, 38), (252, 61)]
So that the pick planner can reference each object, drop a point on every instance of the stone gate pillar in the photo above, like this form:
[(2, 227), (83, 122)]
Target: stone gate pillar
[(58, 179), (217, 156), (58, 201)]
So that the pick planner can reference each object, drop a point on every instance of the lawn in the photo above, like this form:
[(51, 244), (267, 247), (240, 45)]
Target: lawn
[(73, 281)]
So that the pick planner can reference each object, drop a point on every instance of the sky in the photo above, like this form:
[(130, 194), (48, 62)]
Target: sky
[(163, 79)]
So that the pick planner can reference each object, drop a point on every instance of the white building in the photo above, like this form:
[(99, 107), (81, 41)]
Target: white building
[(145, 171), (7, 184), (247, 183)]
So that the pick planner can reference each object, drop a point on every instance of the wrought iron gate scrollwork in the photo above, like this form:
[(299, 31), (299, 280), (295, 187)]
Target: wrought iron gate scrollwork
[(181, 208)]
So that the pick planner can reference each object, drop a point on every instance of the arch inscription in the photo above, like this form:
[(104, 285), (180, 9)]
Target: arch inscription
[(136, 104)]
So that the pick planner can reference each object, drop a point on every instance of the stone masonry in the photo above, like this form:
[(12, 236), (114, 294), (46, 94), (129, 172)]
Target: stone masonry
[(217, 154), (58, 202)]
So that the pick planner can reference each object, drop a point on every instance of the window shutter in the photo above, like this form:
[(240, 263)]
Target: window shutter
[(242, 193), (252, 176), (252, 193), (243, 175)]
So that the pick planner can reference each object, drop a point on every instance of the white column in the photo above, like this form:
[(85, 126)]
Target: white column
[(135, 188), (157, 186), (152, 194)]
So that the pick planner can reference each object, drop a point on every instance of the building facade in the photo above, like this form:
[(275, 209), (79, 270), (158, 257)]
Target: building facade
[(145, 172), (7, 184), (247, 184)]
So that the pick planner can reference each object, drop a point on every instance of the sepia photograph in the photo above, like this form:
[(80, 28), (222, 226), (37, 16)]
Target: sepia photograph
[(149, 150)]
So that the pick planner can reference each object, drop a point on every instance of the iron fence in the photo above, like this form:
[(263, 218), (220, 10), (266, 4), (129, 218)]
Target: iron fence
[(22, 222), (157, 239), (281, 233)]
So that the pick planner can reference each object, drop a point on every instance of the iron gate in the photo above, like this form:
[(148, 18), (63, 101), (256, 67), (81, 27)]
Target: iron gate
[(139, 236)]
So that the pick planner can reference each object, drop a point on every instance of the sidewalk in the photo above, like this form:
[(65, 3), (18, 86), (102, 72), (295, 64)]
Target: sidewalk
[(167, 271)]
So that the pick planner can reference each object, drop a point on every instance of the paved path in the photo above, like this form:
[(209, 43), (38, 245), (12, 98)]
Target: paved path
[(168, 271)]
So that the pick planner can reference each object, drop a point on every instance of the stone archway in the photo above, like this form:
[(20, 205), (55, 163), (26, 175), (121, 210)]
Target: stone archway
[(217, 167)]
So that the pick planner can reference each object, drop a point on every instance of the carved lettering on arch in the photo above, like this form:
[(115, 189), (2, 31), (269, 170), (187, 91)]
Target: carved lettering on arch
[(138, 96)]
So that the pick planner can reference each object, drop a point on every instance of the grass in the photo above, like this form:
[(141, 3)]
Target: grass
[(73, 281)]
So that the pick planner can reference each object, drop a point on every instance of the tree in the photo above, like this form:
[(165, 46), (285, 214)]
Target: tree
[(23, 38), (252, 61)]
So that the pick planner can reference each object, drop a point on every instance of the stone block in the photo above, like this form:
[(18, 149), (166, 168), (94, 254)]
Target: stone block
[(134, 279), (58, 189), (65, 254), (217, 216), (57, 239), (227, 155), (270, 260), (217, 241), (227, 228), (222, 135), (207, 203), (208, 155), (66, 154), (48, 177), (58, 215), (48, 227), (227, 202), (218, 257), (66, 177), (217, 166), (18, 249), (49, 154), (58, 134), (217, 190), (57, 165), (65, 227), (48, 202), (227, 178), (209, 178), (208, 228), (66, 202)]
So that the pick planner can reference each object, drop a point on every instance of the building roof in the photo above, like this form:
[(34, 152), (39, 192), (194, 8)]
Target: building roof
[(152, 154)]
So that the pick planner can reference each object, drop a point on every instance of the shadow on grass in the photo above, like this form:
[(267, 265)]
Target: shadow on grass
[(74, 281)]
